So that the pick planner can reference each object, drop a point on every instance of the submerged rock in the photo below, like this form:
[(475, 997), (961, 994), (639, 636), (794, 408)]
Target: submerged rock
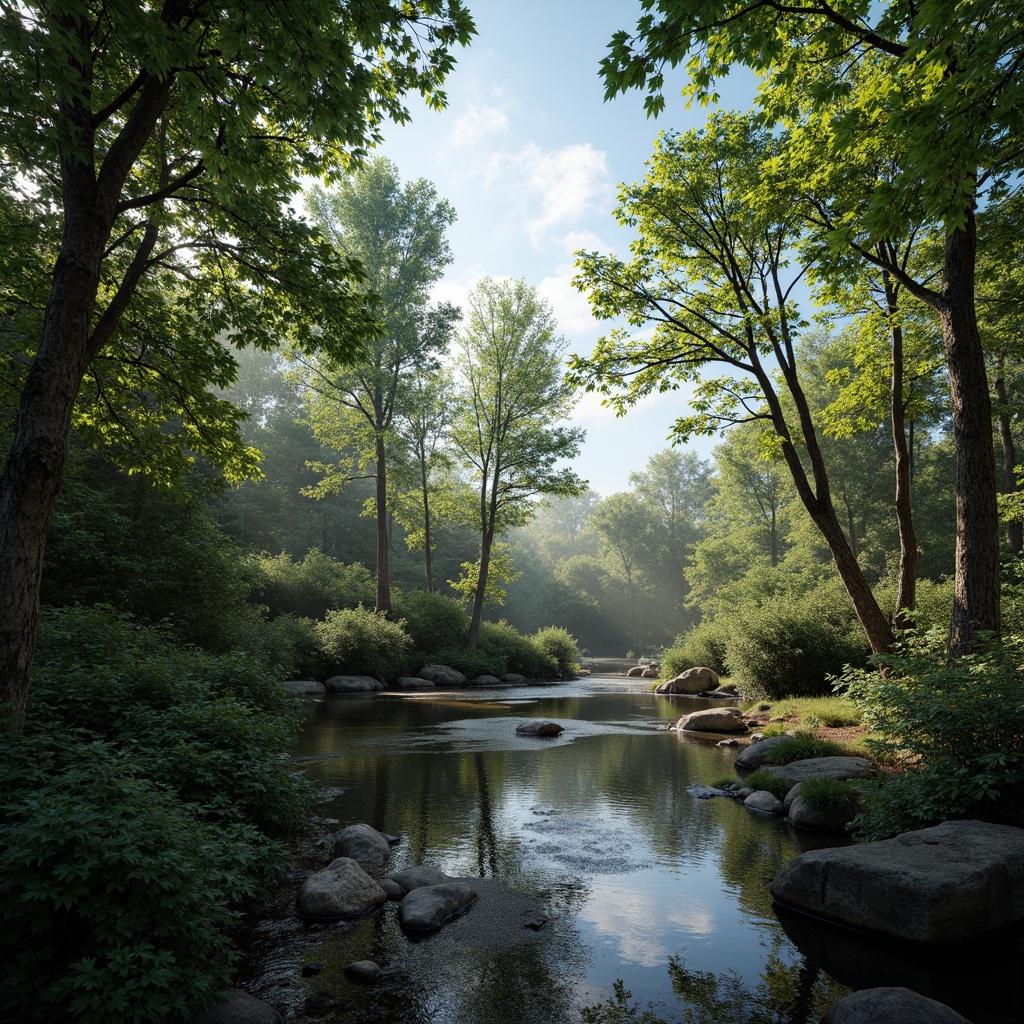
[(342, 889), (366, 972), (403, 882), (539, 728), (946, 885), (428, 907)]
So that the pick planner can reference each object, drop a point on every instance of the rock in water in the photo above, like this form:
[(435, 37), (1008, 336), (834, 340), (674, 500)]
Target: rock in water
[(890, 1006), (369, 848), (539, 728), (693, 680), (414, 878), (944, 886), (428, 907), (240, 1008), (712, 720), (342, 889)]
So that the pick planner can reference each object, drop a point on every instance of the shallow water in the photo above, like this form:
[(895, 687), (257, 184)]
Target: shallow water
[(640, 882)]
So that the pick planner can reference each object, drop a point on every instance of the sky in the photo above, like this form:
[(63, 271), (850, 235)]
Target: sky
[(531, 156)]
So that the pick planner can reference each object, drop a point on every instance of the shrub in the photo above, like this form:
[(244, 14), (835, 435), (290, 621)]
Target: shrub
[(433, 622), (954, 726), (703, 646), (761, 779), (830, 796), (558, 644), (800, 747), (790, 648), (311, 587), (362, 643), (500, 648)]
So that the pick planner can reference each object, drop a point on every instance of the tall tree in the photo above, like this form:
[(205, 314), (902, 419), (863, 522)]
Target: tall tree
[(508, 410), (398, 236), (168, 136), (938, 86)]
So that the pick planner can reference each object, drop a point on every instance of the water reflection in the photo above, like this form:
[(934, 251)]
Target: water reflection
[(594, 830)]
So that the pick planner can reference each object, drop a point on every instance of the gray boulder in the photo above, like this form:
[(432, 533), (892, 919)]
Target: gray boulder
[(486, 681), (442, 675), (712, 720), (304, 687), (757, 753), (763, 801), (635, 672), (369, 848), (413, 683), (693, 680), (366, 972), (944, 886), (428, 907), (240, 1008), (353, 684), (342, 889), (513, 677), (801, 815), (538, 727), (890, 1006), (413, 878), (821, 768)]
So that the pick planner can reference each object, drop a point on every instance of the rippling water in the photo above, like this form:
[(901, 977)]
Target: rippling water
[(596, 831)]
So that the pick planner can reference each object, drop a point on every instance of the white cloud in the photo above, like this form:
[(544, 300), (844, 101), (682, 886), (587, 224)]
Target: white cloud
[(571, 308), (479, 124)]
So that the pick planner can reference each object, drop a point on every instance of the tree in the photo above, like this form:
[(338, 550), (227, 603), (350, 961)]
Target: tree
[(511, 400), (168, 137), (711, 270), (935, 85), (398, 236)]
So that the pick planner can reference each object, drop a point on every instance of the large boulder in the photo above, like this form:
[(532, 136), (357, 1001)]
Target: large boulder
[(304, 687), (403, 882), (762, 800), (821, 768), (428, 907), (442, 675), (353, 684), (515, 678), (538, 727), (945, 885), (239, 1008), (757, 753), (413, 683), (693, 680), (890, 1006), (342, 889), (712, 720), (369, 848)]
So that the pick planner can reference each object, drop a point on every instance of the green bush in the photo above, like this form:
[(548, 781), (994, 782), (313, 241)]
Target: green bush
[(308, 588), (358, 642), (830, 796), (704, 646), (801, 747), (955, 728), (761, 779), (502, 644), (558, 644), (433, 622), (136, 816), (791, 648)]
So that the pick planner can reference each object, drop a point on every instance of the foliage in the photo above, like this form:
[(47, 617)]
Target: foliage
[(432, 621), (834, 796), (502, 644), (955, 728), (311, 586), (501, 570), (148, 783), (761, 779), (363, 643), (801, 746), (704, 646), (814, 712), (559, 645)]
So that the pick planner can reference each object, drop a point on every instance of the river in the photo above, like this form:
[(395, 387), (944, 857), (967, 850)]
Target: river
[(599, 874)]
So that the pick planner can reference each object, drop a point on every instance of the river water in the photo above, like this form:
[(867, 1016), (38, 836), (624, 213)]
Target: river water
[(599, 874)]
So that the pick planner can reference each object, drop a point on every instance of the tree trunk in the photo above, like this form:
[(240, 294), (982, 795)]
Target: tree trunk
[(976, 581), (383, 567), (428, 555), (1014, 529), (481, 587)]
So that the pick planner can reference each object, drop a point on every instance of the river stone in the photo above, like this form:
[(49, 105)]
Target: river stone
[(342, 889), (365, 845), (801, 815), (304, 687), (757, 753), (538, 727), (366, 972), (486, 680), (945, 885), (513, 677), (442, 675), (821, 768), (712, 720), (693, 680), (413, 878), (890, 1006), (763, 801), (413, 683), (240, 1008), (352, 684), (429, 906)]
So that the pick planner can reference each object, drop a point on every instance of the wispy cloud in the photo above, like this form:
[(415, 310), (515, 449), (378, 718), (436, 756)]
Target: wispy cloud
[(480, 124)]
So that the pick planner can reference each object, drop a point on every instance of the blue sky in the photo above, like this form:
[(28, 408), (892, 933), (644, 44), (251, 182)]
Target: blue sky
[(530, 156)]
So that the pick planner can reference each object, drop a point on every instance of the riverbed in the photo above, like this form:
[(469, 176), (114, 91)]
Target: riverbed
[(600, 872)]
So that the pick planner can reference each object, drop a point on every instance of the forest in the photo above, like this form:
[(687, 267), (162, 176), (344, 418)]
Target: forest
[(243, 442)]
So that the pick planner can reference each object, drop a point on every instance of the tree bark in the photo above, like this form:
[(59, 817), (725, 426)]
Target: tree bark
[(1014, 529), (976, 581), (383, 566), (428, 555)]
